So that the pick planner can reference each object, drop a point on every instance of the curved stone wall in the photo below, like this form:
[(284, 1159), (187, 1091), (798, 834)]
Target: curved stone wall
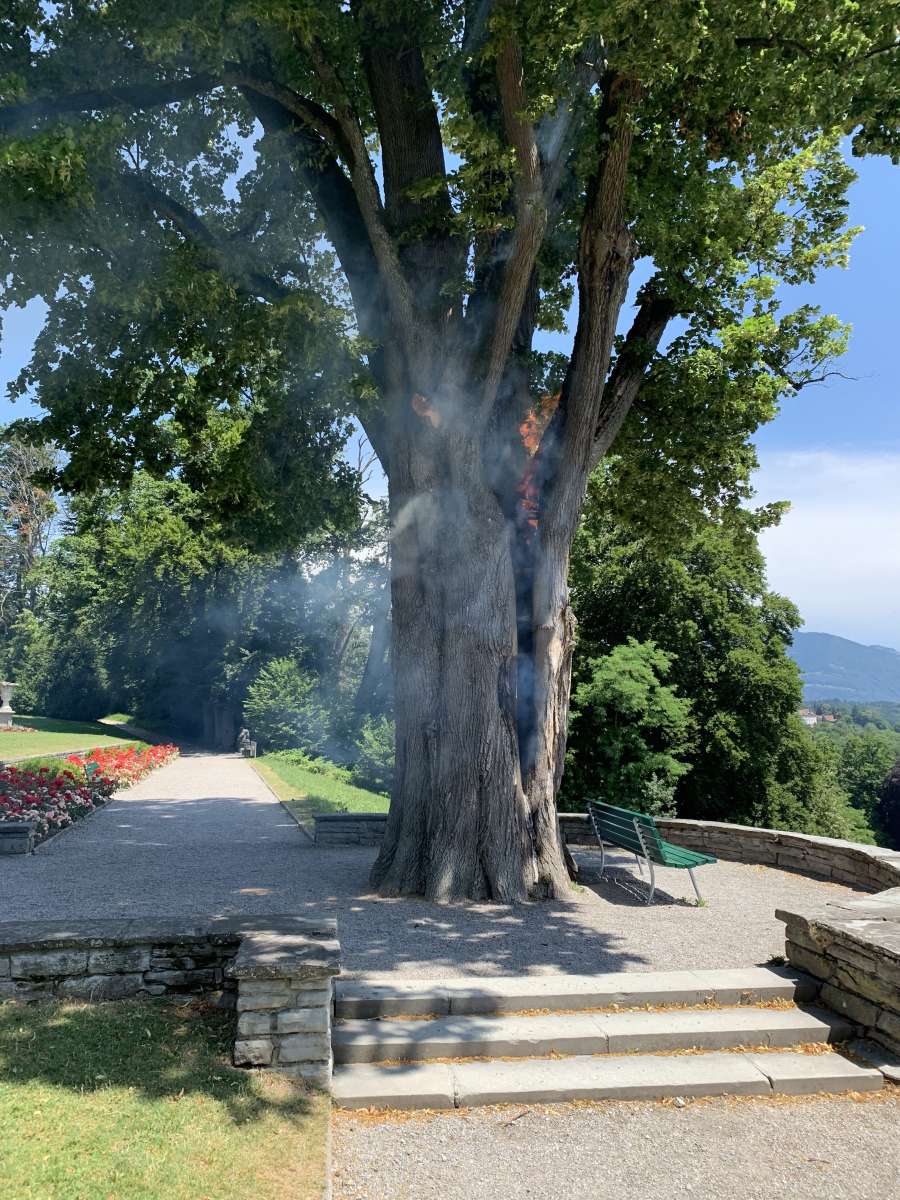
[(868, 868)]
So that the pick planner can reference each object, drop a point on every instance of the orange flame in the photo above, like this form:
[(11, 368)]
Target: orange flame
[(531, 431)]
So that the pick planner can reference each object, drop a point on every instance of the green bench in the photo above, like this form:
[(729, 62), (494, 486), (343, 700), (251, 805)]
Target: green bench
[(637, 833)]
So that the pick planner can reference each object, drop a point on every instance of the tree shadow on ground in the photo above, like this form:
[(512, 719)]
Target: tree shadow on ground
[(161, 1049), (155, 854)]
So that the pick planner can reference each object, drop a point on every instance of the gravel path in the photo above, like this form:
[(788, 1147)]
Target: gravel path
[(842, 1149), (205, 835)]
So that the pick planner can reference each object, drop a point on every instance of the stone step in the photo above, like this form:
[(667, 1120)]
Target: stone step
[(630, 1077), (358, 1041), (370, 996)]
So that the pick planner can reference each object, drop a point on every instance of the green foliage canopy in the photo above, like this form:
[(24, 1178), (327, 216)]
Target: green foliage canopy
[(192, 191)]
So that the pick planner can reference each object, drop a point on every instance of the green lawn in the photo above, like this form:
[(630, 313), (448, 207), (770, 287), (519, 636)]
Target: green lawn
[(51, 737), (137, 1101), (307, 793)]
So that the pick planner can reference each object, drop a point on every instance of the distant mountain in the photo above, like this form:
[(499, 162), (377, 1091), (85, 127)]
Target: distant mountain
[(835, 668)]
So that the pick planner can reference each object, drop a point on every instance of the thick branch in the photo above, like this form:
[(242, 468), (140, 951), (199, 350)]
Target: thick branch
[(630, 370), (338, 207), (604, 259), (139, 95), (154, 95), (530, 215), (412, 153), (312, 115), (219, 255), (365, 186)]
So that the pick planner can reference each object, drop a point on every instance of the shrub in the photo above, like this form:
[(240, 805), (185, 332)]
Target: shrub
[(374, 765), (315, 766), (658, 797), (281, 710)]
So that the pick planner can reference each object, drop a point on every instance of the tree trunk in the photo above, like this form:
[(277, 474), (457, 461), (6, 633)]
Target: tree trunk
[(461, 823)]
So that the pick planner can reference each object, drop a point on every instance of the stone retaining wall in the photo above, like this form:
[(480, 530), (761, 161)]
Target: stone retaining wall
[(853, 947), (16, 837), (868, 868), (277, 971), (349, 829)]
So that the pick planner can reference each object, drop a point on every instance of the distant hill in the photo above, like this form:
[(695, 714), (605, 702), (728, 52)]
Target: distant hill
[(835, 668)]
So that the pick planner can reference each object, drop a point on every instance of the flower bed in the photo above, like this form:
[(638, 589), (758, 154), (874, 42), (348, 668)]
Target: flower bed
[(55, 798), (124, 764)]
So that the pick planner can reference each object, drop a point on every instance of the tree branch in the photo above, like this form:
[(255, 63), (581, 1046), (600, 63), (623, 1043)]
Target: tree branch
[(412, 153), (362, 177), (630, 371), (311, 114), (139, 95), (530, 215), (604, 260), (218, 254)]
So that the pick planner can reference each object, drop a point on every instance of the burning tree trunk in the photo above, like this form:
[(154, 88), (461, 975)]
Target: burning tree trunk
[(464, 821)]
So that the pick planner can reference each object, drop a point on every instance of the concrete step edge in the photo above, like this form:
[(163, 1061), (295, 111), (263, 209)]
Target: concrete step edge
[(573, 1033), (372, 997), (636, 1077)]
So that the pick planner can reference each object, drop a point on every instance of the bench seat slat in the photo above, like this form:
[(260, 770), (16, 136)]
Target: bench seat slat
[(678, 856)]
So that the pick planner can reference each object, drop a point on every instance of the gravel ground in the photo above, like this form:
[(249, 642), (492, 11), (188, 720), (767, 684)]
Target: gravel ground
[(842, 1149), (205, 835)]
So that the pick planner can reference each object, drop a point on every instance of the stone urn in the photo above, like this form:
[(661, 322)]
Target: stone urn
[(6, 712)]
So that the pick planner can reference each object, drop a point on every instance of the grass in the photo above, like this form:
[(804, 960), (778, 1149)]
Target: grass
[(117, 718), (137, 1101), (51, 736), (307, 792)]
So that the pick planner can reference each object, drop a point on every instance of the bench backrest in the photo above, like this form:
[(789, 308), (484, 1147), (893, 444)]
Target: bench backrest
[(616, 825)]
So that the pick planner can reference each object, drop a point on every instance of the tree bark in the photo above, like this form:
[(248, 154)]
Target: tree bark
[(461, 824)]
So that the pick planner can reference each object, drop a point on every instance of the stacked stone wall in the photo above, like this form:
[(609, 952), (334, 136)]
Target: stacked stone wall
[(853, 948), (277, 971), (350, 829)]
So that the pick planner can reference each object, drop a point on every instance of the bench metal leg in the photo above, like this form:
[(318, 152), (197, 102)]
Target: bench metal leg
[(690, 871), (637, 859), (652, 880), (602, 857), (649, 861)]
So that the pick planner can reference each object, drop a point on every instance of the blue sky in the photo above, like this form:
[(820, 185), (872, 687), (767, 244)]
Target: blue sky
[(834, 451)]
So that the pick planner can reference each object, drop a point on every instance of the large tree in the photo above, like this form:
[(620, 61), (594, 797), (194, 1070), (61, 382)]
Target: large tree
[(207, 194)]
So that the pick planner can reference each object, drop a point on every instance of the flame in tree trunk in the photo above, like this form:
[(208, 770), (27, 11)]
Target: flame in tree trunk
[(531, 431)]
